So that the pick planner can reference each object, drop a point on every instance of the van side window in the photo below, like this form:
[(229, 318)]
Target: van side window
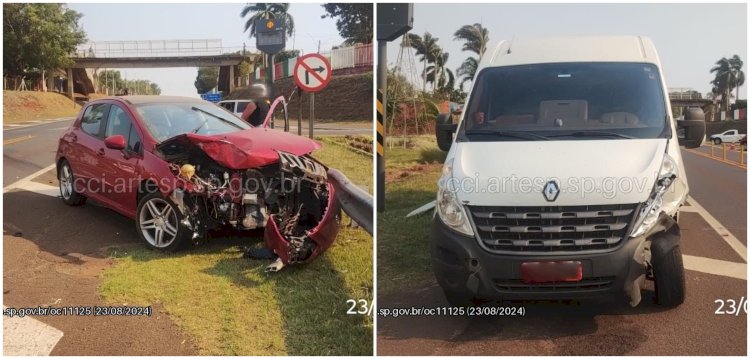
[(241, 106), (91, 122)]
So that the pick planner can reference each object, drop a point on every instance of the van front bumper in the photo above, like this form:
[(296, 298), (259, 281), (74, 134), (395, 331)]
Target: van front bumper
[(461, 265)]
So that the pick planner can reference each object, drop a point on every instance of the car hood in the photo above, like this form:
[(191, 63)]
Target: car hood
[(589, 172), (250, 148)]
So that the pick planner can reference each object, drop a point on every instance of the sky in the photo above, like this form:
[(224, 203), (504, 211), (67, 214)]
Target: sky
[(689, 38), (119, 22)]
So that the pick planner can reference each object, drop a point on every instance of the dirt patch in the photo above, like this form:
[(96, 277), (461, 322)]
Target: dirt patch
[(399, 174), (60, 263), (19, 106)]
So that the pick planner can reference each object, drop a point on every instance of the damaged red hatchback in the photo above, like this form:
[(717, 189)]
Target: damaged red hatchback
[(181, 167)]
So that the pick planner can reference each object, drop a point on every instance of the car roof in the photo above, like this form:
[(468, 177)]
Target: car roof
[(144, 99), (524, 51)]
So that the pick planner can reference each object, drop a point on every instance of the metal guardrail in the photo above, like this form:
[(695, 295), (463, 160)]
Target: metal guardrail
[(354, 200)]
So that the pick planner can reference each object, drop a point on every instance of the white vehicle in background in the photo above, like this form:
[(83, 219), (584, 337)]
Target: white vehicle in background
[(234, 106), (564, 178), (728, 136)]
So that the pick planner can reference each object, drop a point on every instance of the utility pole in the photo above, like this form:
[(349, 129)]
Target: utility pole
[(394, 20)]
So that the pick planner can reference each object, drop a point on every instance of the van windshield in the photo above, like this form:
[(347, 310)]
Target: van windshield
[(566, 101)]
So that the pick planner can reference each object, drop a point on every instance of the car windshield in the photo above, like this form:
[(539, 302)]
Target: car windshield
[(566, 101), (166, 120)]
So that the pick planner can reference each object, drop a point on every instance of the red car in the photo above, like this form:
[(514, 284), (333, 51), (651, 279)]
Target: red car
[(181, 167)]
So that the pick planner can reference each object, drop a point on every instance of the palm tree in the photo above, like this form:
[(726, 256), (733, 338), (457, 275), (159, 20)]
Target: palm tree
[(439, 74), (428, 49), (267, 11), (475, 39), (467, 70), (728, 75)]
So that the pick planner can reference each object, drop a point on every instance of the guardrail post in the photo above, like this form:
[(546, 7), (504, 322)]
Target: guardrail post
[(742, 155), (712, 148), (724, 151)]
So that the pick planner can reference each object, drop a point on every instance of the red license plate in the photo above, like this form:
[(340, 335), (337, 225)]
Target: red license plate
[(548, 272)]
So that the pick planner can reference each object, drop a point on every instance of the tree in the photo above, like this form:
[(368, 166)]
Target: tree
[(39, 37), (475, 39), (285, 55), (155, 89), (439, 75), (728, 75), (427, 48), (207, 79), (267, 11), (353, 20)]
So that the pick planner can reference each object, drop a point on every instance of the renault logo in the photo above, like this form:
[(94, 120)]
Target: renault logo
[(551, 190)]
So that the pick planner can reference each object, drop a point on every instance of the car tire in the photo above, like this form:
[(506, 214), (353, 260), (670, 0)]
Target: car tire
[(66, 180), (158, 223), (669, 275), (717, 141)]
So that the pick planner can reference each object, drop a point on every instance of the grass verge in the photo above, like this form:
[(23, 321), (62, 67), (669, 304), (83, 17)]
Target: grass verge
[(228, 306), (403, 243), (20, 106)]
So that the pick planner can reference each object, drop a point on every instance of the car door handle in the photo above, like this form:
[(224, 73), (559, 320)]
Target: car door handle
[(100, 152)]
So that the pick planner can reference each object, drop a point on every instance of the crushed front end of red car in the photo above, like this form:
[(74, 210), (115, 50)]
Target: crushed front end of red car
[(252, 179)]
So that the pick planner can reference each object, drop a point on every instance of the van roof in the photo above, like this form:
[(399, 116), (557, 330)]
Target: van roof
[(523, 51)]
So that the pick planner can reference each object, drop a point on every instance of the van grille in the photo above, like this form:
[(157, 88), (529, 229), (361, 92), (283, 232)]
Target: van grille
[(552, 228)]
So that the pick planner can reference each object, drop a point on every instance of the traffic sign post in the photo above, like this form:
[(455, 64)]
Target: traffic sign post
[(270, 38), (394, 20), (312, 73)]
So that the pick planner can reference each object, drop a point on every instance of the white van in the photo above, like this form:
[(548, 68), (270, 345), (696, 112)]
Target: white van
[(563, 179)]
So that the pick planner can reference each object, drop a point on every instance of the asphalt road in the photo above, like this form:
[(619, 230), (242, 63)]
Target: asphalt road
[(716, 211)]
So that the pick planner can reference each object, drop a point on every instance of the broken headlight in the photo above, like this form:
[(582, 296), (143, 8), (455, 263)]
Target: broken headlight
[(650, 211), (449, 208)]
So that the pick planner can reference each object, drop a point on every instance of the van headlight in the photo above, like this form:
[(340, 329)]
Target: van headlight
[(650, 211), (449, 209)]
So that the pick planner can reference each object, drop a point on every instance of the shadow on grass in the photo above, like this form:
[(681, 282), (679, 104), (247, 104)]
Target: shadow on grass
[(432, 155), (312, 299)]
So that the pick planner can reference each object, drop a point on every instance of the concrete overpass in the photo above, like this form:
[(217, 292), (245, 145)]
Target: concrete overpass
[(155, 54)]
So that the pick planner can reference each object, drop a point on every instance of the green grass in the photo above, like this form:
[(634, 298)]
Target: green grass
[(228, 306), (403, 243)]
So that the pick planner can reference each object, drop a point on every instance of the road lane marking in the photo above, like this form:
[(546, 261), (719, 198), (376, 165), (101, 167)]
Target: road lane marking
[(728, 237), (23, 181), (17, 139), (41, 188), (27, 336), (715, 266), (731, 163)]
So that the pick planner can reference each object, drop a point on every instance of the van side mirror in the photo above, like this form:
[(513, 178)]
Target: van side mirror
[(444, 129), (694, 126)]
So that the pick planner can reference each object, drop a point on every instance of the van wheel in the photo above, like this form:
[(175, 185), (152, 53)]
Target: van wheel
[(67, 185), (717, 141), (157, 221), (669, 275)]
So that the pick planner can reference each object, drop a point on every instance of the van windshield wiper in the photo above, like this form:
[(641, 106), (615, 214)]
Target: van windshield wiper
[(594, 134), (514, 134)]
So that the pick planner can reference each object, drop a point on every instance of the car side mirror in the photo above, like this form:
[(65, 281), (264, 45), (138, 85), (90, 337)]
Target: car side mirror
[(115, 142), (444, 129), (694, 126)]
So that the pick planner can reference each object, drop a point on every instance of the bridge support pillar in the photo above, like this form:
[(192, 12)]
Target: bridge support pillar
[(231, 78), (70, 83)]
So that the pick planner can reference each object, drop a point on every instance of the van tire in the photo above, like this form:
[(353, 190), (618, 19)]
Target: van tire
[(669, 275)]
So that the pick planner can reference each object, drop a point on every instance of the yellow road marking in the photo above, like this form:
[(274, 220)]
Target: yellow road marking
[(706, 155), (16, 140)]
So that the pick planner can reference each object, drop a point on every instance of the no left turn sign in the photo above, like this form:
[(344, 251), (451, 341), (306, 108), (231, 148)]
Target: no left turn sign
[(312, 72)]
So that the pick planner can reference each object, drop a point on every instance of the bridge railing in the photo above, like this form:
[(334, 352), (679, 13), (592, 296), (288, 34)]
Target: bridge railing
[(357, 56), (154, 48)]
